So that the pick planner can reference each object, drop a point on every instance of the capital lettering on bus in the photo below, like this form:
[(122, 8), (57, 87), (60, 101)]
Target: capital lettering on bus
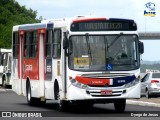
[(28, 67), (81, 61), (49, 69), (101, 26)]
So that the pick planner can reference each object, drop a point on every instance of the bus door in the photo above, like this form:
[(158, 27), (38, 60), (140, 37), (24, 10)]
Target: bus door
[(48, 55), (49, 64), (52, 59)]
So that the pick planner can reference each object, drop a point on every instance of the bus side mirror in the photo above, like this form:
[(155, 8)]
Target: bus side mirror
[(141, 48), (65, 41)]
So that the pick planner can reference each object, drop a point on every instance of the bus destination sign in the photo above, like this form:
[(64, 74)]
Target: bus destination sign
[(106, 25)]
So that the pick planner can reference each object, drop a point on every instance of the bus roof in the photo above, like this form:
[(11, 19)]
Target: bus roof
[(73, 23), (5, 50), (33, 26)]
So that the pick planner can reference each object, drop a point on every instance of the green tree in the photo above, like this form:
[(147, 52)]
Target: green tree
[(11, 14)]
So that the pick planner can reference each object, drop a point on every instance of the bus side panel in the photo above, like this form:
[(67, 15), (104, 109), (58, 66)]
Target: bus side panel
[(15, 83), (7, 70), (48, 69), (16, 86), (34, 68), (49, 83), (1, 71), (30, 69)]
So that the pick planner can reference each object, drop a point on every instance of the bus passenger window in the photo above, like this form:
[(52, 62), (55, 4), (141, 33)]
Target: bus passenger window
[(30, 44), (49, 43), (33, 44), (5, 59), (2, 57), (9, 64), (26, 44), (57, 43), (15, 45), (25, 51)]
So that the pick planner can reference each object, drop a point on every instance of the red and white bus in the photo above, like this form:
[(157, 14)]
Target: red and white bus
[(82, 60)]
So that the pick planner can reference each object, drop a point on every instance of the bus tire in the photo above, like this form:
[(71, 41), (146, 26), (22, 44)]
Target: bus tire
[(4, 82), (41, 103), (120, 105), (147, 94), (62, 104), (56, 90), (31, 101), (85, 105)]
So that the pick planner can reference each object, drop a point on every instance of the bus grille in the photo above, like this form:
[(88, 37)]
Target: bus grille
[(105, 86), (97, 93)]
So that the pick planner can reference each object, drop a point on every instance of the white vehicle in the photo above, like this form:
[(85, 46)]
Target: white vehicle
[(5, 67), (150, 84), (82, 60)]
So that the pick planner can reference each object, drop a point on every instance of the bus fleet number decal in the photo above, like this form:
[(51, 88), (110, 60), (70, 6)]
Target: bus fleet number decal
[(81, 62), (29, 67)]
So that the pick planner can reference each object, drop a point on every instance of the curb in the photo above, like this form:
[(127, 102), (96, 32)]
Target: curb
[(142, 103), (3, 90)]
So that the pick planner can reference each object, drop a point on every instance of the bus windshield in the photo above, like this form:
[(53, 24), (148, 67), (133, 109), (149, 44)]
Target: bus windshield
[(103, 52)]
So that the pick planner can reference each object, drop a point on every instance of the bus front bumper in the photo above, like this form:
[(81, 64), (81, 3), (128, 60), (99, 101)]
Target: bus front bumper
[(91, 93)]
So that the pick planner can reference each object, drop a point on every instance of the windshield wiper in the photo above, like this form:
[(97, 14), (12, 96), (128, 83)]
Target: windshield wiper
[(88, 46), (115, 39), (107, 46)]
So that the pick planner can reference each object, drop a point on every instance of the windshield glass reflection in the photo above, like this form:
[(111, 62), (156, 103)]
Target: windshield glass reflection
[(100, 53)]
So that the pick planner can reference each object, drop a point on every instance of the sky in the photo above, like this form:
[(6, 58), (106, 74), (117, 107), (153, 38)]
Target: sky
[(131, 9)]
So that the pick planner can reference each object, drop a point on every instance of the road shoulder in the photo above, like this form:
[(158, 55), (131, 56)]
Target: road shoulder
[(153, 102)]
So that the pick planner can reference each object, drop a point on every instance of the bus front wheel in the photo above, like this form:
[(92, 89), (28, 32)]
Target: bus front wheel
[(147, 94), (62, 104), (120, 105)]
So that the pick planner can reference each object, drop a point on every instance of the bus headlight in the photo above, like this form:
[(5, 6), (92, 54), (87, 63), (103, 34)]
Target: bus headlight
[(78, 84), (133, 83)]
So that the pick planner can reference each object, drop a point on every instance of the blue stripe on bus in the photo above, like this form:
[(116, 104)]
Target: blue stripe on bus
[(49, 69), (49, 25), (36, 26), (118, 19), (32, 26), (123, 80)]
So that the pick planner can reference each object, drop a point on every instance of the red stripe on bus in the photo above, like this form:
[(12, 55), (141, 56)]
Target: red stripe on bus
[(93, 81), (88, 19)]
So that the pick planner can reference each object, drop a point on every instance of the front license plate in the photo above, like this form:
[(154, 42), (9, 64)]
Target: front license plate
[(106, 92)]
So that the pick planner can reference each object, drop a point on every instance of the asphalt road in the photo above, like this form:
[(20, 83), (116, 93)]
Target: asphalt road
[(17, 105)]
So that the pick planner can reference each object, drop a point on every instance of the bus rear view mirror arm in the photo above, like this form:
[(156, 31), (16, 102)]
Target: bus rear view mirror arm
[(65, 41)]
